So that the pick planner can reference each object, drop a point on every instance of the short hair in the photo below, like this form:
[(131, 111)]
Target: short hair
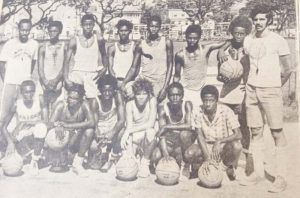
[(87, 17), (142, 85), (176, 85), (156, 18), (126, 23), (262, 9), (209, 89), (193, 29), (24, 21), (240, 21), (28, 83), (107, 80), (57, 24), (77, 88)]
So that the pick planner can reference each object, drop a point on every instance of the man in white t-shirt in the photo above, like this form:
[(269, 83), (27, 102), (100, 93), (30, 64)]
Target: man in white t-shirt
[(270, 68), (17, 60)]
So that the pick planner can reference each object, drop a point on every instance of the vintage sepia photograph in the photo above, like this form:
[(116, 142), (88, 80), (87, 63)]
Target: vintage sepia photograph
[(149, 98)]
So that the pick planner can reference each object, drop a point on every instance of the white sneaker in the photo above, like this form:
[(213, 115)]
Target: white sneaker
[(144, 170), (278, 185), (33, 168), (77, 167), (250, 180), (185, 172)]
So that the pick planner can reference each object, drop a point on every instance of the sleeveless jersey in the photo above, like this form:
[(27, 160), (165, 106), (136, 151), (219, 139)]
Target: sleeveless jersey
[(168, 114), (194, 70), (154, 69), (86, 59), (122, 61), (233, 92), (54, 59), (29, 114), (140, 117), (68, 117)]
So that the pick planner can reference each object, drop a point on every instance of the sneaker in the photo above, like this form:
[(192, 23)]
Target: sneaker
[(278, 185), (144, 171), (250, 180), (185, 172), (77, 167), (33, 168), (230, 173)]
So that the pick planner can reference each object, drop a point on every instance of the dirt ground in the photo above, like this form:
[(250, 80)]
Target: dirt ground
[(69, 185)]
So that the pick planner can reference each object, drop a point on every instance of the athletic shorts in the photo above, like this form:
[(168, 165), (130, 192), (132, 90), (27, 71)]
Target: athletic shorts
[(264, 101), (38, 131), (87, 80), (139, 137), (173, 139)]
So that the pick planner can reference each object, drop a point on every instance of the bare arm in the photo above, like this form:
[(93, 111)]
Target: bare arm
[(2, 70), (121, 114), (41, 58), (111, 54), (221, 53), (71, 50), (286, 68), (149, 123), (202, 143), (45, 112), (213, 47), (179, 63)]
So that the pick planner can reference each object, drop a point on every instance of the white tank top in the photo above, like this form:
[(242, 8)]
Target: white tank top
[(140, 117), (194, 70), (86, 59), (167, 110), (54, 59), (154, 69), (122, 61), (104, 116), (29, 114)]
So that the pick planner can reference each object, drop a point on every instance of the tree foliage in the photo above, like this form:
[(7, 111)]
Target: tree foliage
[(283, 10)]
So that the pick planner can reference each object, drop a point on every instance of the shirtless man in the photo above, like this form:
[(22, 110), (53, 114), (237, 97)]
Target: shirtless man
[(191, 64), (32, 115), (110, 119), (156, 54), (50, 61), (175, 132), (140, 121), (89, 58), (75, 119)]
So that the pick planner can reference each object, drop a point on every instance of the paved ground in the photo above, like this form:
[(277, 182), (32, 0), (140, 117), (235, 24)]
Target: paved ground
[(68, 185)]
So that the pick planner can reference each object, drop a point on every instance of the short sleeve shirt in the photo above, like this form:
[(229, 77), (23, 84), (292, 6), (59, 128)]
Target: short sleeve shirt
[(18, 57), (220, 127), (264, 53)]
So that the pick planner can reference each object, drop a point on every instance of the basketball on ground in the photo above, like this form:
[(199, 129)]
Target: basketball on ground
[(54, 142), (127, 168), (231, 69), (167, 172), (212, 177), (12, 165)]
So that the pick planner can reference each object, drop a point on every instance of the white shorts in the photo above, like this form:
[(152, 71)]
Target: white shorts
[(38, 131), (87, 80)]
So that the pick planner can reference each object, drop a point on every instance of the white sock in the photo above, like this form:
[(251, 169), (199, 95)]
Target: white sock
[(258, 157), (281, 161)]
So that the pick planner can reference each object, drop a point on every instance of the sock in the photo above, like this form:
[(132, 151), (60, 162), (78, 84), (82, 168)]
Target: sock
[(145, 162), (281, 161), (258, 157)]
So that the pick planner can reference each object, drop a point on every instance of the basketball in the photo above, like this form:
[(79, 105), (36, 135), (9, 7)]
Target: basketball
[(12, 165), (127, 168), (54, 142), (231, 69), (167, 172), (213, 178)]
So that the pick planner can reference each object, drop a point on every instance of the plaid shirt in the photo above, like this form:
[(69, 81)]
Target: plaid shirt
[(221, 126)]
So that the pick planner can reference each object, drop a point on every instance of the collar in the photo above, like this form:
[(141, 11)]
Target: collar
[(265, 33), (218, 112)]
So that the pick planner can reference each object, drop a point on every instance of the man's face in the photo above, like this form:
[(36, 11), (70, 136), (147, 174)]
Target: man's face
[(209, 103), (239, 34), (260, 22), (124, 33), (54, 32), (73, 99), (175, 95), (28, 92), (141, 98), (107, 92), (192, 39), (154, 27), (88, 26), (24, 31)]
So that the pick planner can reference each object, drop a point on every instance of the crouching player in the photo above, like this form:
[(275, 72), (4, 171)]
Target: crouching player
[(140, 132), (218, 133), (175, 132), (73, 119), (31, 130), (110, 118)]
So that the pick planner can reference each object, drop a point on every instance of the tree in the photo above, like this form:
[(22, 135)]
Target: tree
[(109, 9), (197, 9), (42, 9), (284, 10)]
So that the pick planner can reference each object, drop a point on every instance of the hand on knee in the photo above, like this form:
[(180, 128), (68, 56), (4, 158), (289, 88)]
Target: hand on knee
[(150, 134)]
